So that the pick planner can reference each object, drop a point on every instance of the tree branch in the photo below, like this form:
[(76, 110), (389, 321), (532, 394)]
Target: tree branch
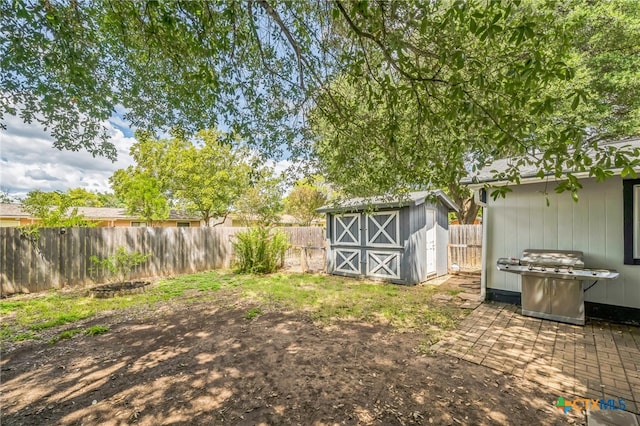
[(294, 45), (263, 59), (387, 55)]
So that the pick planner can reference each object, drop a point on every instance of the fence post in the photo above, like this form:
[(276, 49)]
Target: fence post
[(303, 258), (61, 258)]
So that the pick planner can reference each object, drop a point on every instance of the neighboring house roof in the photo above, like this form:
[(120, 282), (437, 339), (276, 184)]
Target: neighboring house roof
[(288, 219), (12, 210), (92, 213), (410, 199), (485, 175), (285, 219)]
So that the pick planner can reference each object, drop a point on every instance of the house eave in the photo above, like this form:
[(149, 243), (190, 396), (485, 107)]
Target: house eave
[(531, 179)]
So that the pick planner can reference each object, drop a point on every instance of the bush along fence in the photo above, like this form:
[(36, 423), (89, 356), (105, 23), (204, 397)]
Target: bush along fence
[(59, 257)]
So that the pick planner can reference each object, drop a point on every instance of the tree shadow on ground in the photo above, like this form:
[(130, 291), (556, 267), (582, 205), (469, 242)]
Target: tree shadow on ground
[(202, 364)]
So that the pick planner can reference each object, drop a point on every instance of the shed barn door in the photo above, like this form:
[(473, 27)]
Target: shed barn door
[(383, 264), (347, 229), (347, 261), (346, 241), (382, 229)]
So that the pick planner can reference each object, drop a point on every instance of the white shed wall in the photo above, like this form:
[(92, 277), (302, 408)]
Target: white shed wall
[(593, 225)]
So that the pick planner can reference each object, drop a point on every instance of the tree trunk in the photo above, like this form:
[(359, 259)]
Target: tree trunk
[(463, 197)]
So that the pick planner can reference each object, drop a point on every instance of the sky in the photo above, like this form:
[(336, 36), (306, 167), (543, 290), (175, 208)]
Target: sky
[(28, 160)]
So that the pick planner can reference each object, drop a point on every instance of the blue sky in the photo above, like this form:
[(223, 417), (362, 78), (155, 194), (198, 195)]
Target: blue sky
[(28, 160)]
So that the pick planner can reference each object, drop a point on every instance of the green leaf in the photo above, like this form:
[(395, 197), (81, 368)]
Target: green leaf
[(576, 102)]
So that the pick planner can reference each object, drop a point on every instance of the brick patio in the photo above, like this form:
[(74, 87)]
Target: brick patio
[(598, 360)]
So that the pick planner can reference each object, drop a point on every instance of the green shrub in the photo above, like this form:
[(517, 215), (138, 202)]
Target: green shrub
[(120, 264), (260, 250)]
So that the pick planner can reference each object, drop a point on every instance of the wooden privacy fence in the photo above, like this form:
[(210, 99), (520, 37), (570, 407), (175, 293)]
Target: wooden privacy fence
[(465, 246), (307, 251), (57, 259)]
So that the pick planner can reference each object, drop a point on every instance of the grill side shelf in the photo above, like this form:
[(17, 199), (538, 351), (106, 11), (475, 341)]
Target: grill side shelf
[(564, 273)]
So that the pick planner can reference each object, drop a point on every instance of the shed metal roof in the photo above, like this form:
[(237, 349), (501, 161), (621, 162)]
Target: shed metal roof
[(485, 175), (390, 201)]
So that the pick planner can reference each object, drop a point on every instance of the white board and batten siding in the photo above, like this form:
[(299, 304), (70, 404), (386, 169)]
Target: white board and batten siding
[(593, 225)]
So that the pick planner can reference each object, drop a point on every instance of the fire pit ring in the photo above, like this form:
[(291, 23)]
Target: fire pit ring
[(107, 291)]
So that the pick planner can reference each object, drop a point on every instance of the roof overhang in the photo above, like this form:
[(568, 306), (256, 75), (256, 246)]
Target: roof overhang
[(377, 203), (524, 180), (530, 175)]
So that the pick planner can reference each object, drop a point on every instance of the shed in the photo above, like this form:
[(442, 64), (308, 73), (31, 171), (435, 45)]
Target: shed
[(397, 239)]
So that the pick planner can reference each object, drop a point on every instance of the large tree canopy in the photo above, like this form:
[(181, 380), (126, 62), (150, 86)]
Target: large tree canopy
[(306, 196), (554, 115), (480, 78), (203, 176), (261, 203)]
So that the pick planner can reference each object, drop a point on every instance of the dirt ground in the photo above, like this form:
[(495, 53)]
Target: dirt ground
[(207, 364)]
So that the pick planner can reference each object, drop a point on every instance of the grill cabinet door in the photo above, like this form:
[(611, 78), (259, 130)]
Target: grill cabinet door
[(535, 299), (567, 299)]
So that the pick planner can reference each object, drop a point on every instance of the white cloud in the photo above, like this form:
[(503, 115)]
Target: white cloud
[(39, 174), (282, 166), (29, 161)]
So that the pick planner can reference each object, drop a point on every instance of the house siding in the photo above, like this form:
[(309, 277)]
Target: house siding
[(593, 225)]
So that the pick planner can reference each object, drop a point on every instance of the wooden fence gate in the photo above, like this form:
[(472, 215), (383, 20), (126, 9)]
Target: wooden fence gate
[(465, 247)]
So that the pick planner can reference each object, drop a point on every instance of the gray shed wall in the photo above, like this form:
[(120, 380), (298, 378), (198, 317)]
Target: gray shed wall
[(442, 240)]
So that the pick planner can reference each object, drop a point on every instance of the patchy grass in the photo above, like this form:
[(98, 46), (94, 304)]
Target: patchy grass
[(91, 331), (24, 336), (96, 330), (324, 298), (67, 334), (252, 313), (328, 298)]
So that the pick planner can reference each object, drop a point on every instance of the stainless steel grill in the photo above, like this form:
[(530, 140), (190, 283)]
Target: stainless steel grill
[(552, 283)]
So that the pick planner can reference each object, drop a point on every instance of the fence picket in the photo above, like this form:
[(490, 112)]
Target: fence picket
[(465, 246), (57, 260)]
